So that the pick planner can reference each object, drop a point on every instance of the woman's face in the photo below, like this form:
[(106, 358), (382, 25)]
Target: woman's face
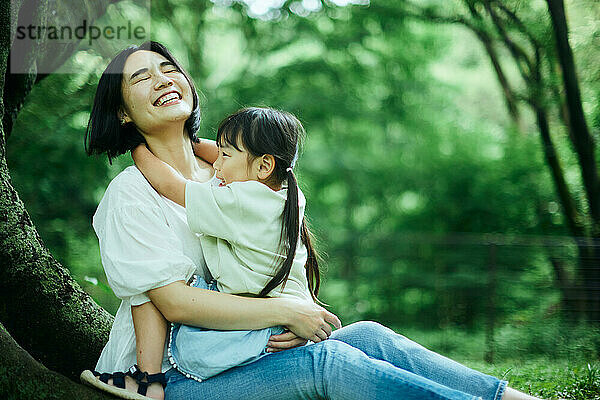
[(155, 93)]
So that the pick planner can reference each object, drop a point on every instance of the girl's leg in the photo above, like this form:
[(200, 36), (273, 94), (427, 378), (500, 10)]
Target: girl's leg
[(326, 370), (150, 335), (382, 343), (150, 330)]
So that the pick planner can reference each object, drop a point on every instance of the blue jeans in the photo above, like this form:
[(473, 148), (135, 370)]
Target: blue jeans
[(364, 360)]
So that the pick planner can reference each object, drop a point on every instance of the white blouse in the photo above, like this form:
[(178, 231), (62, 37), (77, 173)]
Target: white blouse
[(145, 243)]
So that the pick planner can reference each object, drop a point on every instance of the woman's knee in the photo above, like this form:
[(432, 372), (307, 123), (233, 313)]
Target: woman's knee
[(375, 339), (362, 330), (369, 327)]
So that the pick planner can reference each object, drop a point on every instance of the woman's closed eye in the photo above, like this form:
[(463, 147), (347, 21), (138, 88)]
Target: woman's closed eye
[(140, 78)]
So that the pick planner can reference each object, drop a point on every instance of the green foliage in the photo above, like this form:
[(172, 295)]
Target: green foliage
[(551, 338)]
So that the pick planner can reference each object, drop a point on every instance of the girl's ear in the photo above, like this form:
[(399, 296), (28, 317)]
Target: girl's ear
[(123, 117), (264, 166)]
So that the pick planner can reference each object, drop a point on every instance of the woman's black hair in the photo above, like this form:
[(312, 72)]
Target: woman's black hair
[(104, 133), (268, 131)]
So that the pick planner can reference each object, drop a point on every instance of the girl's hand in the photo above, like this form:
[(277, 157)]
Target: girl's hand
[(309, 320), (284, 341)]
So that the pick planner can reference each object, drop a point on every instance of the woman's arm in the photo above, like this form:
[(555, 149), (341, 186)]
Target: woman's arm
[(207, 150), (161, 175), (213, 310)]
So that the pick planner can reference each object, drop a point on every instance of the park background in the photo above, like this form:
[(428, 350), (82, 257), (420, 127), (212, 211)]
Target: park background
[(447, 185)]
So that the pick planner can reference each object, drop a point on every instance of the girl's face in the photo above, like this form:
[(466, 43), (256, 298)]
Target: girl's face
[(155, 93), (232, 165)]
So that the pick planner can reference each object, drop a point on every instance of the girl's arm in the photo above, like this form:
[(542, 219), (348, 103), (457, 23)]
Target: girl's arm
[(161, 175), (207, 150), (214, 310)]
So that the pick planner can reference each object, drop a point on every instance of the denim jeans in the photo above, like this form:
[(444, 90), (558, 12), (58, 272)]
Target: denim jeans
[(361, 361)]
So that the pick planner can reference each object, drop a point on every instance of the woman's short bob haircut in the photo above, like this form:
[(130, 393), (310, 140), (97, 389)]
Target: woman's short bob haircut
[(104, 133)]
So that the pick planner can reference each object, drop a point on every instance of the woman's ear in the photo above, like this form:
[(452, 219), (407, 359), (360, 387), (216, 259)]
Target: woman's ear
[(123, 117), (264, 166)]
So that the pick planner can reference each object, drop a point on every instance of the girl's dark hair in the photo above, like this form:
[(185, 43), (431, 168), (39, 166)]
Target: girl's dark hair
[(267, 131), (104, 133)]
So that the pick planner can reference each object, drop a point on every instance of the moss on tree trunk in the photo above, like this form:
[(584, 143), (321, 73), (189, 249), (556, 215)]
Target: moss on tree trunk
[(41, 306), (22, 377)]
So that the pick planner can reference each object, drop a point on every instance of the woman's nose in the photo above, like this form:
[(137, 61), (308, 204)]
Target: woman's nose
[(163, 81)]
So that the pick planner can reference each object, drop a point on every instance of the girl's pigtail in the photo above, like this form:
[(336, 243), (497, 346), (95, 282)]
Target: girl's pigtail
[(289, 233), (312, 262)]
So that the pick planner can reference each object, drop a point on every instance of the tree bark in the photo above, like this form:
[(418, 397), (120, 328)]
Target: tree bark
[(41, 306), (22, 377)]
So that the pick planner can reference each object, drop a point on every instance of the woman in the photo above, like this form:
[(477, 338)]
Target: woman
[(148, 253)]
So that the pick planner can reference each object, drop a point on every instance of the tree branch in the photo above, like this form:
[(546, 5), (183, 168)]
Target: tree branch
[(582, 140), (509, 97), (517, 52)]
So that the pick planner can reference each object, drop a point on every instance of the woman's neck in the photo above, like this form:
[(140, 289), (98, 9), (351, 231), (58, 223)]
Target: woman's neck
[(175, 150)]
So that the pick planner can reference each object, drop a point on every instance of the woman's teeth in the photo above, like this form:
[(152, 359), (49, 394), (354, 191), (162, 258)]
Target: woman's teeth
[(166, 99)]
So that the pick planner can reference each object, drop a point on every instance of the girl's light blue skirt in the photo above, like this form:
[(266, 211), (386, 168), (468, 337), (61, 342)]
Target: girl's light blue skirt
[(200, 353)]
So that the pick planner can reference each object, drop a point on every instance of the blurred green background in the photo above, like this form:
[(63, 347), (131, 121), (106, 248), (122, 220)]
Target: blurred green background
[(433, 207)]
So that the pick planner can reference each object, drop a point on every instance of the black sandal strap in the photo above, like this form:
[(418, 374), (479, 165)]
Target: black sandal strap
[(160, 378), (104, 377), (143, 379), (119, 380), (134, 372), (142, 386)]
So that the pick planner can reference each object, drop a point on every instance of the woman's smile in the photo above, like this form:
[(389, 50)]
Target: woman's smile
[(167, 99)]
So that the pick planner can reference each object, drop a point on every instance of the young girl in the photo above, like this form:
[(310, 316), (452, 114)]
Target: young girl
[(250, 218)]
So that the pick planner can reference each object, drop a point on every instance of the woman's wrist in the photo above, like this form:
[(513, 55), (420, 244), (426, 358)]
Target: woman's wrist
[(281, 311)]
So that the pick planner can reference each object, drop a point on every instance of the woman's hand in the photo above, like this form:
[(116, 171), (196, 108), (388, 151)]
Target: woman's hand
[(284, 341), (309, 320)]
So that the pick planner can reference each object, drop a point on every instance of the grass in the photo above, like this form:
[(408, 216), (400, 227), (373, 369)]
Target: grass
[(549, 362), (547, 379)]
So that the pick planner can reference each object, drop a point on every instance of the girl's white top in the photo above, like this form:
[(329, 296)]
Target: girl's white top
[(145, 243), (240, 226)]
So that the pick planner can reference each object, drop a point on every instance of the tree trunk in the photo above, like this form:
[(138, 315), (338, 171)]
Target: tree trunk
[(22, 377), (41, 306), (584, 146)]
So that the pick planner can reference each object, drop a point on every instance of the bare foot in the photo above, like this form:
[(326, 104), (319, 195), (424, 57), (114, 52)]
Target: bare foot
[(512, 394), (155, 391)]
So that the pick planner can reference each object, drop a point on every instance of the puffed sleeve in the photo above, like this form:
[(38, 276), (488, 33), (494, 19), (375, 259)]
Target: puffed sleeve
[(212, 210), (140, 252)]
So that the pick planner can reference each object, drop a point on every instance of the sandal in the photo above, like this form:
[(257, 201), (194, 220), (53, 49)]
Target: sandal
[(100, 381), (139, 377)]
